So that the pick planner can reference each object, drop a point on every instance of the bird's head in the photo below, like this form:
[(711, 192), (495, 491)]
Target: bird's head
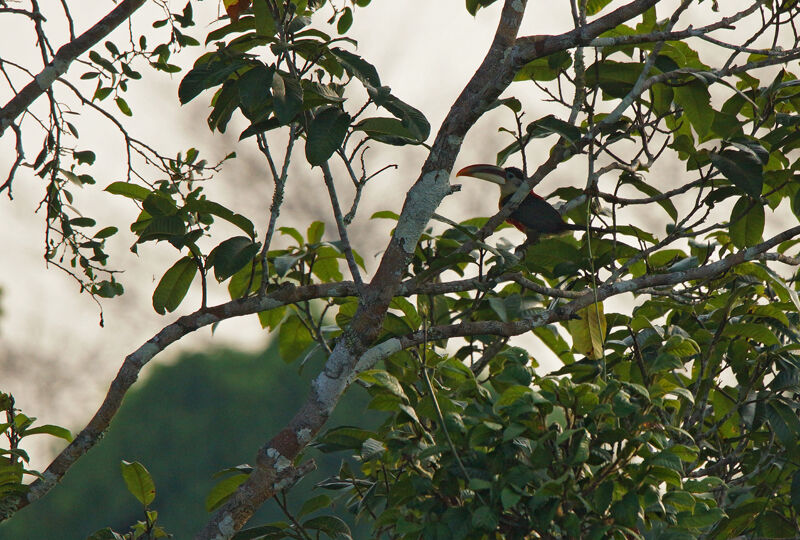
[(509, 179)]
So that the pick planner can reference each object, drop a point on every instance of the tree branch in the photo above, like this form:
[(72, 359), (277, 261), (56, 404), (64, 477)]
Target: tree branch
[(62, 60)]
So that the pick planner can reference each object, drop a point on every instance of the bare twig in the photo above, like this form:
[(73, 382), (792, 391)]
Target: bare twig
[(62, 60)]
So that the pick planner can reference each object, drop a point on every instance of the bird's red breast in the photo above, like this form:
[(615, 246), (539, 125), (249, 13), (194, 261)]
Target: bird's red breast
[(514, 222)]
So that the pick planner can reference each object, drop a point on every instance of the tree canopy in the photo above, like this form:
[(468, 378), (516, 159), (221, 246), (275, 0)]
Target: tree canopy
[(673, 413)]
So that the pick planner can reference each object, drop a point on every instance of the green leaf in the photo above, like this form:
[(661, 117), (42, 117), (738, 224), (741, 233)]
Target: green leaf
[(650, 191), (588, 332), (105, 232), (272, 317), (223, 490), (232, 255), (82, 222), (753, 331), (680, 500), (123, 106), (132, 191), (157, 204), (773, 524), (85, 156), (260, 127), (265, 23), (747, 222), (546, 68), (343, 438), (410, 117), (345, 21), (207, 75), (313, 504), (138, 481), (784, 422), (696, 103), (357, 67), (287, 96), (483, 518), (627, 510), (555, 342), (205, 206), (325, 134), (293, 339), (614, 78), (326, 264), (330, 525), (410, 314), (108, 289), (254, 93), (294, 233), (315, 232), (593, 7), (474, 5), (158, 227), (105, 534), (50, 429), (242, 25), (385, 214), (101, 93), (701, 518), (225, 102), (550, 125), (685, 453), (743, 169), (284, 263), (174, 285), (795, 491), (664, 459), (385, 380), (388, 131)]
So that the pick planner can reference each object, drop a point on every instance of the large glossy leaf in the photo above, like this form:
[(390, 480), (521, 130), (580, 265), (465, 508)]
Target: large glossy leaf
[(546, 68), (550, 125), (265, 23), (293, 339), (325, 134), (411, 118), (387, 130), (126, 189), (255, 96), (588, 332), (743, 169), (747, 222), (222, 490), (207, 75), (205, 206), (650, 191), (242, 25), (357, 67), (224, 103), (138, 481), (174, 285), (616, 79), (287, 97), (695, 100), (232, 255)]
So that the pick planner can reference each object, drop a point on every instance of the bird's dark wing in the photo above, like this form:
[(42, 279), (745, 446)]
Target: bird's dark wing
[(536, 215)]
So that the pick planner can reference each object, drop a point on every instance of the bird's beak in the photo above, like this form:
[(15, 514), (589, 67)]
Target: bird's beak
[(490, 173)]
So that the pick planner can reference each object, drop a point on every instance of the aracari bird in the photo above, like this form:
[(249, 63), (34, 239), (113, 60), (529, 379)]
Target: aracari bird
[(534, 216)]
